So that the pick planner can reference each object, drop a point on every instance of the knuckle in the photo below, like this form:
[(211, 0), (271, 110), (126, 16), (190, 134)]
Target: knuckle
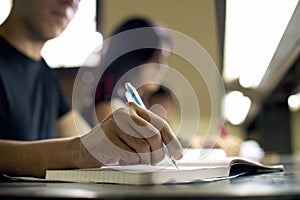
[(131, 105), (154, 138), (143, 146)]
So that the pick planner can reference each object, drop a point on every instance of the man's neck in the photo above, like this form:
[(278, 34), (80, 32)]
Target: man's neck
[(22, 41)]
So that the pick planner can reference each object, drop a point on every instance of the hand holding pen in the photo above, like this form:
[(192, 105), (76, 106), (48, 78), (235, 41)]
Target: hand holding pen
[(132, 96)]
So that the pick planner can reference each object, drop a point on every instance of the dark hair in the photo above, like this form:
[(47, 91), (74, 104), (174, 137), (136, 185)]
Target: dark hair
[(140, 46), (151, 36)]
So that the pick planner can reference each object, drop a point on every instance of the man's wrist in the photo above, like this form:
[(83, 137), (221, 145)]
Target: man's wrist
[(81, 156)]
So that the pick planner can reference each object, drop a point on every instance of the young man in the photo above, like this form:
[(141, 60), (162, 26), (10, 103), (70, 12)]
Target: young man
[(33, 110)]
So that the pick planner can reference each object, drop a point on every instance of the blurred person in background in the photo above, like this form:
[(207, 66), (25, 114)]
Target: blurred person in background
[(144, 67)]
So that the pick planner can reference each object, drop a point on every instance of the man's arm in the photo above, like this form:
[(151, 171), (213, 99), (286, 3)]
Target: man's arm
[(34, 158), (130, 135)]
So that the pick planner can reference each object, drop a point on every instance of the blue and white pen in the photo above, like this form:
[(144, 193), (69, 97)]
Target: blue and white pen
[(132, 95)]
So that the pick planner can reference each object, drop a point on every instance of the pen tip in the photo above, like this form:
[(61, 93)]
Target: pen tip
[(173, 161)]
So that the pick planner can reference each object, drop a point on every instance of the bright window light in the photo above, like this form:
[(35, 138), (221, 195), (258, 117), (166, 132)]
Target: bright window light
[(76, 43), (5, 6), (78, 40), (294, 102), (236, 107), (253, 31)]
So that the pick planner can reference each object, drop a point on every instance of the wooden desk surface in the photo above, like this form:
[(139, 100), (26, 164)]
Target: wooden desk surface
[(279, 185)]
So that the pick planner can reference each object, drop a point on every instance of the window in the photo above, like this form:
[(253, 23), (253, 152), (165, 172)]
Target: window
[(253, 31)]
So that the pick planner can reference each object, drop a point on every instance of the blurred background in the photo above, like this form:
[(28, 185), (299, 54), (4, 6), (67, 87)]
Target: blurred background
[(254, 43)]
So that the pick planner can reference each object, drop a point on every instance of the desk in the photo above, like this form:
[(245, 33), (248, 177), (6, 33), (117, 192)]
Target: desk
[(279, 185)]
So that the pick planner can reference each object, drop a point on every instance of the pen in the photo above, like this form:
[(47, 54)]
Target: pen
[(132, 95)]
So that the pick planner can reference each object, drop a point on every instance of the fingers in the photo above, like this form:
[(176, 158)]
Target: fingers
[(135, 135), (149, 148), (157, 152), (157, 127), (103, 143), (139, 146), (127, 140)]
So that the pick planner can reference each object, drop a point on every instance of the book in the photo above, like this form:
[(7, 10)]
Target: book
[(215, 166)]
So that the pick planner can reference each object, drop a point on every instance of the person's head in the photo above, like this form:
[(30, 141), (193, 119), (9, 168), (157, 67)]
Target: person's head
[(149, 47), (42, 19)]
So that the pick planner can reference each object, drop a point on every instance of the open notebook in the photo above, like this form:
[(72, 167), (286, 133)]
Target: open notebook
[(195, 166)]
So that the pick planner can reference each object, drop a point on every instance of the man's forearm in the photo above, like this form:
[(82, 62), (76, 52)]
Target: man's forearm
[(34, 158)]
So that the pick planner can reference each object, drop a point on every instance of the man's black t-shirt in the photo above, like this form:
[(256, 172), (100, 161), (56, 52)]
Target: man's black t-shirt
[(30, 97)]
